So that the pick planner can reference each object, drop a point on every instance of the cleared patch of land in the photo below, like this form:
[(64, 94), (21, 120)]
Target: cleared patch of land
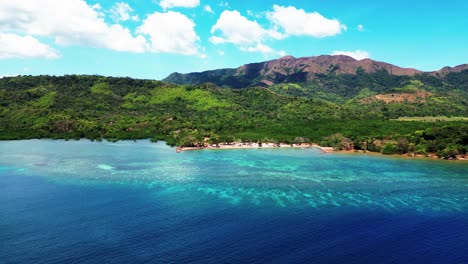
[(431, 118), (416, 97)]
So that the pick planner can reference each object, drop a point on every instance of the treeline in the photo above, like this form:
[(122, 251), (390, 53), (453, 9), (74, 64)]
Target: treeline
[(97, 107), (447, 142)]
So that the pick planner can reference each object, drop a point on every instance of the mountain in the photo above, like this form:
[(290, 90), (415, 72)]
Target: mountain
[(446, 70), (296, 70), (341, 79)]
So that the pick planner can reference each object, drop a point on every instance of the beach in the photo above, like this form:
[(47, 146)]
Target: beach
[(239, 145)]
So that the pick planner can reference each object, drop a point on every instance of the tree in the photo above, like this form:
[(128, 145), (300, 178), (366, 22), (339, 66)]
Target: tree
[(389, 148), (402, 145)]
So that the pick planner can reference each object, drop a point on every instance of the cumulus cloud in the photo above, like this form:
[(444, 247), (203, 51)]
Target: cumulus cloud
[(171, 32), (179, 3), (358, 54), (360, 27), (71, 22), (15, 46), (236, 29), (296, 22), (122, 12), (249, 35)]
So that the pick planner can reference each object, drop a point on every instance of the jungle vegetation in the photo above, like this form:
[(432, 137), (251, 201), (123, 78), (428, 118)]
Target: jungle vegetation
[(97, 107)]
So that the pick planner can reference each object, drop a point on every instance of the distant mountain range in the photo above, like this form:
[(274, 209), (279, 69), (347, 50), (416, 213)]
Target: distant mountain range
[(297, 70)]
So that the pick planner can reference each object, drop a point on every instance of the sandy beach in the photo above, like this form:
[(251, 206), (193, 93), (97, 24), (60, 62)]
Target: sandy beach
[(238, 145), (255, 145)]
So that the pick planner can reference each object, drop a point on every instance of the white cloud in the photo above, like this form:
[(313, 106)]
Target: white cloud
[(71, 22), (264, 49), (250, 36), (171, 32), (360, 27), (282, 53), (296, 22), (8, 75), (255, 15), (259, 48), (208, 9), (15, 46), (238, 30), (217, 40), (179, 3), (358, 54), (267, 51), (122, 12)]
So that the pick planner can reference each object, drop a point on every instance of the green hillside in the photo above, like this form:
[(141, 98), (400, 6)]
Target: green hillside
[(98, 107)]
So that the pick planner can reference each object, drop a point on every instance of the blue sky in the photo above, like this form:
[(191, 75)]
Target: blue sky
[(153, 38)]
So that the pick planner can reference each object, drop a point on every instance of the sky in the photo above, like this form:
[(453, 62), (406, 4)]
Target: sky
[(152, 38)]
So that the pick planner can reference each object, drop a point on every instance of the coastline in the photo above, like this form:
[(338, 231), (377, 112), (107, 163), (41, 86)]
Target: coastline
[(255, 146), (223, 146), (400, 156), (237, 145)]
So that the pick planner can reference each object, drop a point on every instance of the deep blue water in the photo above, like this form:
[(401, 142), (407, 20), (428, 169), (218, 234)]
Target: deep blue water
[(140, 202)]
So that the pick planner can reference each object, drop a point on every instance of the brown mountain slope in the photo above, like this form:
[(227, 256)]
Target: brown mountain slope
[(447, 70), (321, 64), (290, 69)]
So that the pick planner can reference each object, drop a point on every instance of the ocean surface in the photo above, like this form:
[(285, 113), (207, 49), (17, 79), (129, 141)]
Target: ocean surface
[(141, 202)]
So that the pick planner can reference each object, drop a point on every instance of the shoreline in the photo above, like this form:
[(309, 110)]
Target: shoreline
[(311, 145), (255, 146), (222, 146), (401, 156)]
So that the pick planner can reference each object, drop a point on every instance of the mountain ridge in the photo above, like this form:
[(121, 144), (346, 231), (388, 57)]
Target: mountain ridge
[(290, 69)]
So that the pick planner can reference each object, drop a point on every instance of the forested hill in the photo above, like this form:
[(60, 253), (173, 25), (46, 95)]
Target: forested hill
[(334, 78), (97, 107)]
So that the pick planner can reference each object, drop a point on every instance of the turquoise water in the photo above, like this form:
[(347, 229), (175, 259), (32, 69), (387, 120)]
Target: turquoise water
[(255, 205)]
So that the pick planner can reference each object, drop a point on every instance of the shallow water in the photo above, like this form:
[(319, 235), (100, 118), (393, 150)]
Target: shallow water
[(81, 201)]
